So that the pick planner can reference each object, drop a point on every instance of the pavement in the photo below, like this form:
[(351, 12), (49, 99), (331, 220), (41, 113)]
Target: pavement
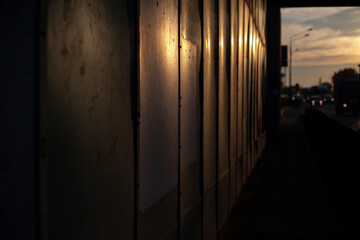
[(284, 197)]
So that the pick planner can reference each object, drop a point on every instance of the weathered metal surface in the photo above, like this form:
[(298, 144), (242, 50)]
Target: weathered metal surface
[(158, 99), (190, 56), (158, 129), (209, 124), (223, 114), (251, 93), (89, 141), (233, 96), (240, 147), (244, 93), (159, 221), (223, 87), (246, 98), (90, 68)]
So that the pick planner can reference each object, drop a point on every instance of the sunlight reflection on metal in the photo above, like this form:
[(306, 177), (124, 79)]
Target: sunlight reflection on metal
[(250, 42), (254, 43), (158, 89)]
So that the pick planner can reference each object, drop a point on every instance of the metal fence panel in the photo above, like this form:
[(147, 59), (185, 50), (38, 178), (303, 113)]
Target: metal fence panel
[(246, 129), (190, 56), (209, 124), (223, 156), (240, 130), (233, 97), (87, 119), (158, 129)]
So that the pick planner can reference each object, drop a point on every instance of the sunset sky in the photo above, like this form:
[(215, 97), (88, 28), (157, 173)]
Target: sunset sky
[(333, 44)]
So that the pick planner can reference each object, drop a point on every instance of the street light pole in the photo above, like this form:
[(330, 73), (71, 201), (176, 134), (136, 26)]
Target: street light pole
[(293, 38)]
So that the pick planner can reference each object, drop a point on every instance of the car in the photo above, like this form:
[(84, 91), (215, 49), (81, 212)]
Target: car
[(328, 99), (316, 101), (296, 100)]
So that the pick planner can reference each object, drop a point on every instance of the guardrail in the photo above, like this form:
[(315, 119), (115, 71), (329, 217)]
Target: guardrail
[(336, 148)]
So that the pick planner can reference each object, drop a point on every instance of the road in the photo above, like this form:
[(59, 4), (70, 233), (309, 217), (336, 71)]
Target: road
[(348, 119)]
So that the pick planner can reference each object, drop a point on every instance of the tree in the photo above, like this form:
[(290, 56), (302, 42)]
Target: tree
[(346, 74), (328, 85)]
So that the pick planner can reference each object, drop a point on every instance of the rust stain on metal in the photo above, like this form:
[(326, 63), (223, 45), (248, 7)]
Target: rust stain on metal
[(82, 69), (64, 52)]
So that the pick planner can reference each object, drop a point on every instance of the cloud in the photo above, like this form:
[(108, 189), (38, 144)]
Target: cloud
[(346, 21), (299, 15), (334, 40), (317, 34), (336, 50)]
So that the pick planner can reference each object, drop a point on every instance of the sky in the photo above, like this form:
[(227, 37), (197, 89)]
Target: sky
[(333, 44)]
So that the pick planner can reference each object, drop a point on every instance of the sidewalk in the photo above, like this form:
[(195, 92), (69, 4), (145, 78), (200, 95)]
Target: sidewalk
[(282, 199)]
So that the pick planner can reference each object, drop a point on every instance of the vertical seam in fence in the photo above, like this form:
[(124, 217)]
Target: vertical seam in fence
[(228, 56), (179, 129), (237, 96), (201, 101), (217, 49), (242, 95), (136, 113)]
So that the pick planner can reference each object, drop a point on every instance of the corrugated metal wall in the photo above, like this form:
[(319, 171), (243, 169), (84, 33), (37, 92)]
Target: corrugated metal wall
[(152, 115), (201, 87), (133, 119)]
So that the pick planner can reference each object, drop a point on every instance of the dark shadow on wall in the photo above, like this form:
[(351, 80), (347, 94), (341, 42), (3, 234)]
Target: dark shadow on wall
[(18, 68)]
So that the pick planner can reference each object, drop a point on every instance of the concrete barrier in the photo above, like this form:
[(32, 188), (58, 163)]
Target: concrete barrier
[(336, 149)]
